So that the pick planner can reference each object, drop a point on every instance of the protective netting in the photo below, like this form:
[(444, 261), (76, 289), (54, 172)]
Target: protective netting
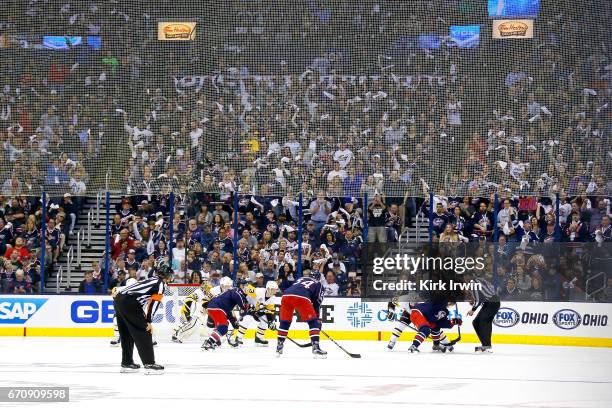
[(275, 97), (175, 295)]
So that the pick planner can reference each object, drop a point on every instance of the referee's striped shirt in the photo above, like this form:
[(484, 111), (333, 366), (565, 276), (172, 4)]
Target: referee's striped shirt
[(485, 293), (148, 292)]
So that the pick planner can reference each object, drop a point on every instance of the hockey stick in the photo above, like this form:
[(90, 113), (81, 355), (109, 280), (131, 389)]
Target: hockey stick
[(298, 344), (455, 341), (352, 355)]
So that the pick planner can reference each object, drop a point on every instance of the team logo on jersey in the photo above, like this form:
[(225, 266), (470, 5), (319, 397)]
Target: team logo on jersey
[(19, 310), (359, 314), (440, 315), (567, 319), (506, 317)]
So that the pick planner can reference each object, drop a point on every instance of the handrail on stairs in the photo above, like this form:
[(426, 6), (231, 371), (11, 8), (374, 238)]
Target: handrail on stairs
[(69, 262), (60, 276), (90, 220), (416, 225), (589, 295), (80, 237), (99, 204)]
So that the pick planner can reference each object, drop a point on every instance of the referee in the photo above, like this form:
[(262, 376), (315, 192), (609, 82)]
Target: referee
[(483, 295), (135, 306)]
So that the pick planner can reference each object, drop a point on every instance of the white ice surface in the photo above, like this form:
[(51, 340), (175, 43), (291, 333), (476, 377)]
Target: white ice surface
[(514, 376)]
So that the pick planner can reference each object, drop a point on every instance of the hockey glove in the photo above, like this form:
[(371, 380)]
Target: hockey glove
[(456, 321), (251, 311), (391, 311), (271, 325)]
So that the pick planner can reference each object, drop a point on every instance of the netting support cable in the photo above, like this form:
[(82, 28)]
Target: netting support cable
[(431, 212), (365, 218), (235, 234), (495, 211), (170, 226), (557, 218), (495, 238), (107, 239), (299, 235), (43, 233)]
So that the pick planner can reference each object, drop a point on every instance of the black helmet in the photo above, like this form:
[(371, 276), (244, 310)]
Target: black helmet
[(164, 271)]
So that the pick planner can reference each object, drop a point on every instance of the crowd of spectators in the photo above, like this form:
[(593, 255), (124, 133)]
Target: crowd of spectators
[(327, 99), (581, 219), (542, 271), (340, 115), (21, 239), (203, 239)]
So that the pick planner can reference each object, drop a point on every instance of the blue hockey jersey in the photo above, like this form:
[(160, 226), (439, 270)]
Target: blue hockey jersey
[(309, 288), (228, 300), (436, 313)]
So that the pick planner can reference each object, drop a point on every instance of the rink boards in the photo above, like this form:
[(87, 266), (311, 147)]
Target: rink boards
[(556, 323)]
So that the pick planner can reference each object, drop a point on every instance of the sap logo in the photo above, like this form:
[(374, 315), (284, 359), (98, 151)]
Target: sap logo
[(91, 311), (567, 319), (19, 310), (359, 314), (506, 317)]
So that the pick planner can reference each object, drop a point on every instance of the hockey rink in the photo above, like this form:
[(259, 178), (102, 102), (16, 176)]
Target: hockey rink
[(513, 376)]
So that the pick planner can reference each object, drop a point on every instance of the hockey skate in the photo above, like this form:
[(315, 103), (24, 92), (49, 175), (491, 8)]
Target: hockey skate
[(234, 342), (153, 369), (317, 352), (390, 346), (442, 347), (413, 349), (261, 342), (115, 342), (209, 345), (129, 368), (483, 349), (279, 349)]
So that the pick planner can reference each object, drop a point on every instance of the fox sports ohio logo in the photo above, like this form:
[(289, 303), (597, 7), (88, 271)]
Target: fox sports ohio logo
[(506, 317), (359, 314), (567, 319)]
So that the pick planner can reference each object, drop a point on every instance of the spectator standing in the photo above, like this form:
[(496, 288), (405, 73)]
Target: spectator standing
[(377, 214), (320, 209)]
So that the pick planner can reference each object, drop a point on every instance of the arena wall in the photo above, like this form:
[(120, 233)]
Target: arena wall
[(554, 323)]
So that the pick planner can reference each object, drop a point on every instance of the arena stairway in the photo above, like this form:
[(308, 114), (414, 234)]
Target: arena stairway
[(71, 271), (72, 267)]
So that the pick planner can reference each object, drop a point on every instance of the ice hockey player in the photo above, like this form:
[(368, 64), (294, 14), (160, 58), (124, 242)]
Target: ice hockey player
[(193, 312), (305, 296), (220, 314), (403, 322), (263, 314), (194, 309), (429, 318)]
